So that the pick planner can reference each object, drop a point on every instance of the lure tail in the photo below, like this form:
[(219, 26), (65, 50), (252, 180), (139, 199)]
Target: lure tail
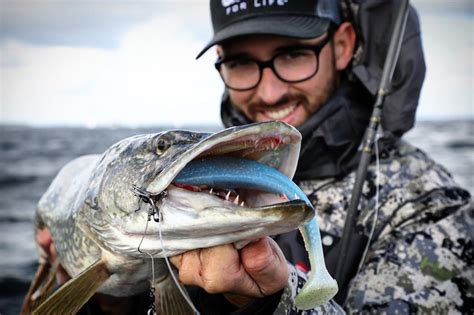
[(320, 287)]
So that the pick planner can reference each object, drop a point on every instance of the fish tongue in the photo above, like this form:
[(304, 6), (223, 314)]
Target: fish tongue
[(226, 172)]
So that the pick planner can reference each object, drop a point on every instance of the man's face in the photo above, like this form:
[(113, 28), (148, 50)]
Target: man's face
[(272, 98)]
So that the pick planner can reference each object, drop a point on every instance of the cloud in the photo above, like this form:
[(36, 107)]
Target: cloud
[(87, 23), (459, 6), (151, 78), (54, 72), (449, 46)]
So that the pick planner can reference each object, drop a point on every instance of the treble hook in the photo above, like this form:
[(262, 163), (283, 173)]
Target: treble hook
[(150, 199), (151, 296)]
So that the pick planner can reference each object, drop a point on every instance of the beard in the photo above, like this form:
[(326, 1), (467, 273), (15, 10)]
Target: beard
[(309, 95)]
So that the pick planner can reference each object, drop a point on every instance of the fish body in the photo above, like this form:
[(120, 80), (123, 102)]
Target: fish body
[(125, 206)]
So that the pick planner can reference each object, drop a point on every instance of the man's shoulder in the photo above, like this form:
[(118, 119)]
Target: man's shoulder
[(397, 164), (405, 167), (403, 181)]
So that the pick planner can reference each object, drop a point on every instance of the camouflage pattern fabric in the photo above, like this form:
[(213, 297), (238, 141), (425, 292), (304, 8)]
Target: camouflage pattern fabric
[(420, 255)]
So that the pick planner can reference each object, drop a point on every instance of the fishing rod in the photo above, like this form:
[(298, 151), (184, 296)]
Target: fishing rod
[(371, 131)]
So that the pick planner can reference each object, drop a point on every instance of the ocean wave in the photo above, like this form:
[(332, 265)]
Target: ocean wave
[(12, 293), (12, 219), (8, 145), (10, 286), (460, 144), (8, 180)]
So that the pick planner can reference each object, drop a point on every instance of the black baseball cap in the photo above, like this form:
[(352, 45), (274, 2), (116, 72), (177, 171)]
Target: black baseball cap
[(292, 18)]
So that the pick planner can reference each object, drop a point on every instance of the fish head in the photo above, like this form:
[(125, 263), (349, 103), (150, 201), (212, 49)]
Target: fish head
[(134, 200), (132, 164)]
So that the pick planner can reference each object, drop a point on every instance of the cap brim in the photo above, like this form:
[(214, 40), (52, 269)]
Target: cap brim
[(294, 26)]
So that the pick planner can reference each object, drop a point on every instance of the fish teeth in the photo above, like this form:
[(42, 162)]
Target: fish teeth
[(242, 204), (228, 197)]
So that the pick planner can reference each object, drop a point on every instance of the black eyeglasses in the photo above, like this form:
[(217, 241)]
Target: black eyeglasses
[(294, 64)]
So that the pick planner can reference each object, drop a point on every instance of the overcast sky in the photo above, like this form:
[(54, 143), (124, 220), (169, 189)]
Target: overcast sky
[(112, 62)]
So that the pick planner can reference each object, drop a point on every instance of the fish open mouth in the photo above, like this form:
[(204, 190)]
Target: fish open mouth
[(274, 144), (238, 197), (231, 164), (232, 196), (199, 198), (230, 186)]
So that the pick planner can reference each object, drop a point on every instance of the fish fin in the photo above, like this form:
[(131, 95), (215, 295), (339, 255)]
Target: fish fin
[(40, 295), (36, 287), (41, 286), (69, 298), (168, 298)]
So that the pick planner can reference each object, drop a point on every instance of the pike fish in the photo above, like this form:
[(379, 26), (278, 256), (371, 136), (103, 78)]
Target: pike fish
[(157, 195)]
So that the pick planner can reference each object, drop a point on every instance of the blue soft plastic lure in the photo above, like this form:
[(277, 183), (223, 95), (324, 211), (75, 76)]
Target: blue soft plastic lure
[(228, 172)]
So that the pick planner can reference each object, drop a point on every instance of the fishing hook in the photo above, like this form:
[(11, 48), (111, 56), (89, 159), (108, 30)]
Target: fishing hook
[(150, 199)]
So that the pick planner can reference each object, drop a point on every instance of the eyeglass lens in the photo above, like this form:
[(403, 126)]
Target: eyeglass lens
[(292, 66)]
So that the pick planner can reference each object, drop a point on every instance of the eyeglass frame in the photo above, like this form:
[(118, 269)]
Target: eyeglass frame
[(317, 48)]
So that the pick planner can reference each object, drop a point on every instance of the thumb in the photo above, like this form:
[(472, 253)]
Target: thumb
[(265, 263), (176, 260)]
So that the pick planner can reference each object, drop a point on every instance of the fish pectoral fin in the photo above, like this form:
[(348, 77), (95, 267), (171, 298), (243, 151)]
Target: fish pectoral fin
[(70, 297), (168, 298), (41, 286)]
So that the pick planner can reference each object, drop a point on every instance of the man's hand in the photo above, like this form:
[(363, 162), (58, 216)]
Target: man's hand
[(257, 270), (108, 304)]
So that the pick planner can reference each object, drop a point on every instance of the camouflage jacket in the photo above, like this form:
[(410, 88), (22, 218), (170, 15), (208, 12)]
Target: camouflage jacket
[(420, 255)]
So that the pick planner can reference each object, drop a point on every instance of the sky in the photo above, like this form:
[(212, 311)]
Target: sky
[(132, 63)]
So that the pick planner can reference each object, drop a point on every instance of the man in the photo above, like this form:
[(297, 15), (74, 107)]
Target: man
[(302, 62)]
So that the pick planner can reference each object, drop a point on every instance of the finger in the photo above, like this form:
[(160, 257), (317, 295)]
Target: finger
[(46, 245), (44, 240), (61, 275), (190, 268), (221, 269), (265, 263), (176, 260), (52, 252), (223, 272)]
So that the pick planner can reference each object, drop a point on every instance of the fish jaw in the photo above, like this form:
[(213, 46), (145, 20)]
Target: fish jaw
[(190, 220), (138, 162)]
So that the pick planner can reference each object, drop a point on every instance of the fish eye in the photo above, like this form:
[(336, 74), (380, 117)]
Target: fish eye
[(197, 136), (162, 145)]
